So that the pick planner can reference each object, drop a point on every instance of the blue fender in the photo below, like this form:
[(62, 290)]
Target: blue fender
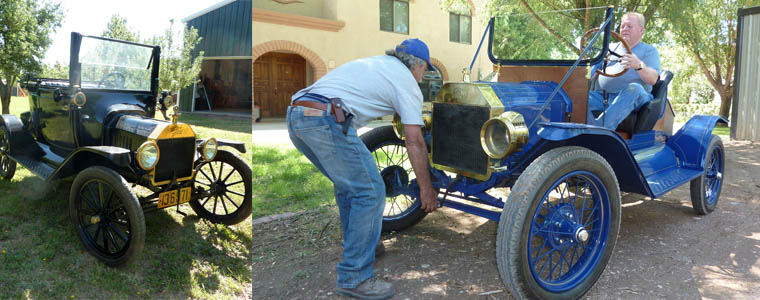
[(691, 141), (603, 141)]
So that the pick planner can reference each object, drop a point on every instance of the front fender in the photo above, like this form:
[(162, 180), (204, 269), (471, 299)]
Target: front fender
[(600, 140), (691, 141), (111, 157), (222, 142)]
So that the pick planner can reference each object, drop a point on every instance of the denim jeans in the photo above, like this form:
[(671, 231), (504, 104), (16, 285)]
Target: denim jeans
[(630, 99), (357, 184)]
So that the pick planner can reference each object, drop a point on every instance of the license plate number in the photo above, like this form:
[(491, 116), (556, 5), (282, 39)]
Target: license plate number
[(174, 197)]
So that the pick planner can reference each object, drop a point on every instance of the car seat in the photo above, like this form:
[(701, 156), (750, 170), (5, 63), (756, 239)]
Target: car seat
[(645, 118)]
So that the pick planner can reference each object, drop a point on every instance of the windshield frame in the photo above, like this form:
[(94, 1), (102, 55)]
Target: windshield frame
[(544, 62), (75, 66)]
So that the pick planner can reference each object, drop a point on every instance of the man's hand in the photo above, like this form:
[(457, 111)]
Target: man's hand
[(630, 61), (417, 149), (429, 199)]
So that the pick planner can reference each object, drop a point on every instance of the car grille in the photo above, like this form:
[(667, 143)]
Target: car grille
[(456, 137), (176, 160)]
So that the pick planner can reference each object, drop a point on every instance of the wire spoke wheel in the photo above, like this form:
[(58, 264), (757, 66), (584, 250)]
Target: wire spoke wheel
[(227, 181), (559, 230), (705, 189), (107, 216), (569, 230), (402, 203), (7, 165)]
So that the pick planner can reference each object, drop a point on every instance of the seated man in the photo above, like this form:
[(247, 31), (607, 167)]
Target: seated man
[(632, 90)]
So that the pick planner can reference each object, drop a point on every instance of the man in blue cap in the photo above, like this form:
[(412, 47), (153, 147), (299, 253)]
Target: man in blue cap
[(322, 121)]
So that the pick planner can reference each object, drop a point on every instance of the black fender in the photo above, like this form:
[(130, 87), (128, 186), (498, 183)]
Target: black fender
[(118, 159), (20, 140), (240, 147), (606, 143)]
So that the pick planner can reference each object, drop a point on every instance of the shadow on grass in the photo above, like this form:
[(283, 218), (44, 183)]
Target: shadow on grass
[(184, 256), (284, 180), (217, 122)]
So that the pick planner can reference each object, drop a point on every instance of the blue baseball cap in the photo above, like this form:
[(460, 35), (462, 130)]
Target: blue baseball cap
[(416, 48)]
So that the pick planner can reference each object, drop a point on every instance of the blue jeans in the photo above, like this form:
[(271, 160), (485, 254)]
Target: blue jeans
[(357, 184), (630, 99)]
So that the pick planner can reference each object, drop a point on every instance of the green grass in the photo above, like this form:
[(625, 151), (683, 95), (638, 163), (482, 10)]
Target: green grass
[(41, 256), (284, 180), (722, 131)]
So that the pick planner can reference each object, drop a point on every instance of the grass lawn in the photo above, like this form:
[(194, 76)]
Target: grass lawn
[(41, 256)]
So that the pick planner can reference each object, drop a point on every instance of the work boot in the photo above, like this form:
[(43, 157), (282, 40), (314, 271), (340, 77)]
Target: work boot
[(380, 249), (370, 289)]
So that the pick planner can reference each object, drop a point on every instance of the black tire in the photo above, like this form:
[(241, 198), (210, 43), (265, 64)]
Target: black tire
[(401, 210), (233, 189), (705, 190), (101, 204), (7, 165), (530, 218)]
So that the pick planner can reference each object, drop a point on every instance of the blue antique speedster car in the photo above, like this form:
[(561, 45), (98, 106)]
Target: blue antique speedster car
[(97, 126), (527, 132)]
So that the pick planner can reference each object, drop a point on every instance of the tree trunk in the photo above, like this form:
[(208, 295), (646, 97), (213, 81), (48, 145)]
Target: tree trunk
[(5, 94), (726, 96)]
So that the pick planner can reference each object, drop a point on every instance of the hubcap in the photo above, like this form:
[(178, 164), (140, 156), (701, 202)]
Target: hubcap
[(581, 235), (95, 219)]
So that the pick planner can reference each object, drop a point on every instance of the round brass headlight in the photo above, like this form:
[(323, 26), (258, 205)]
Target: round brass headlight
[(209, 149), (79, 99), (168, 101), (147, 155), (398, 127), (503, 135)]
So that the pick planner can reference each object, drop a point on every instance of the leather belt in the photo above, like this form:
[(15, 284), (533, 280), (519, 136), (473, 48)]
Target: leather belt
[(311, 104)]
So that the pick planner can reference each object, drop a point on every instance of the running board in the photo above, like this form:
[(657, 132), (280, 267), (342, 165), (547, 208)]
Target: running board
[(36, 166), (666, 180)]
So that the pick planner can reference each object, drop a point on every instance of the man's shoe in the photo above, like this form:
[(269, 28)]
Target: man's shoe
[(371, 289), (380, 249)]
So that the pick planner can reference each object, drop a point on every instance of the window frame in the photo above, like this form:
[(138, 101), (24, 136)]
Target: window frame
[(393, 16), (458, 17)]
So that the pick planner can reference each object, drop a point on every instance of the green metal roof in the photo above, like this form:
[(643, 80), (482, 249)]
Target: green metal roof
[(225, 28)]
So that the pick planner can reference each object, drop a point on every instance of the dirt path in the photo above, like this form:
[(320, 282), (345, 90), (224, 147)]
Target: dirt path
[(665, 251)]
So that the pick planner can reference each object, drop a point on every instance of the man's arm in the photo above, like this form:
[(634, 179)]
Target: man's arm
[(417, 149), (631, 61)]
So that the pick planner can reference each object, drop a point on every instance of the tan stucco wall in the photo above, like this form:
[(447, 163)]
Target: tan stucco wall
[(361, 37)]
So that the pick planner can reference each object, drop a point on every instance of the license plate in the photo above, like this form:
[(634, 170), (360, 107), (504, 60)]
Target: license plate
[(170, 198)]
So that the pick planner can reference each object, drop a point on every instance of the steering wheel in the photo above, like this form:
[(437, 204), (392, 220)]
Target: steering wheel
[(113, 80), (607, 58)]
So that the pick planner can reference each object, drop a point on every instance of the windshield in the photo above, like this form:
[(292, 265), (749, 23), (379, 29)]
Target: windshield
[(555, 35), (114, 65)]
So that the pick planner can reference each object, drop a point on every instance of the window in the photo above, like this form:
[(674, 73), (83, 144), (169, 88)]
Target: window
[(394, 16), (460, 28)]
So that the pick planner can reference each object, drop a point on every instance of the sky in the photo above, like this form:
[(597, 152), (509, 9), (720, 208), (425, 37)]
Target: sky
[(146, 17)]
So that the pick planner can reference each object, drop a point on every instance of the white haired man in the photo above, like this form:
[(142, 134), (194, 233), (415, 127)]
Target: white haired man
[(319, 122), (631, 90)]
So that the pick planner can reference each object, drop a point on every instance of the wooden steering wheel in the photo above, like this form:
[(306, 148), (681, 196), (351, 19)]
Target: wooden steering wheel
[(610, 53)]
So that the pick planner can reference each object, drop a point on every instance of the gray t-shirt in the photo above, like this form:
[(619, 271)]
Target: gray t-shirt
[(645, 52), (373, 87)]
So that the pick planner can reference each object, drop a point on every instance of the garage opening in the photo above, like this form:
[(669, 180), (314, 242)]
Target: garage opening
[(224, 86)]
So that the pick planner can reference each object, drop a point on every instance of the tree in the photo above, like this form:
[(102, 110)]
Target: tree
[(25, 30), (117, 29), (57, 70), (178, 68), (707, 28)]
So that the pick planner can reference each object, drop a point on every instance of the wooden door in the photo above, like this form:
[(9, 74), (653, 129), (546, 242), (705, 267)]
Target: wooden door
[(277, 76)]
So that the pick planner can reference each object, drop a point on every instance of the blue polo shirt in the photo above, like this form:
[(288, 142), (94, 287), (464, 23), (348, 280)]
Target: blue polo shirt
[(645, 52)]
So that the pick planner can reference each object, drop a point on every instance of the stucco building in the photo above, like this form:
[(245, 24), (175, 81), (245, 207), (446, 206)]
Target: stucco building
[(296, 42)]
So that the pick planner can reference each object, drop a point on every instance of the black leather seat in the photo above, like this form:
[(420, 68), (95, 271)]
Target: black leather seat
[(645, 118)]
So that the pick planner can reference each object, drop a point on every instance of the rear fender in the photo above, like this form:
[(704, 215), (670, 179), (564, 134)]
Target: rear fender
[(21, 141), (606, 143), (691, 141), (115, 158)]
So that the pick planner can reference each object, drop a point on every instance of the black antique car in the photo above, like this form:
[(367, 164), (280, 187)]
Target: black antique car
[(98, 127)]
